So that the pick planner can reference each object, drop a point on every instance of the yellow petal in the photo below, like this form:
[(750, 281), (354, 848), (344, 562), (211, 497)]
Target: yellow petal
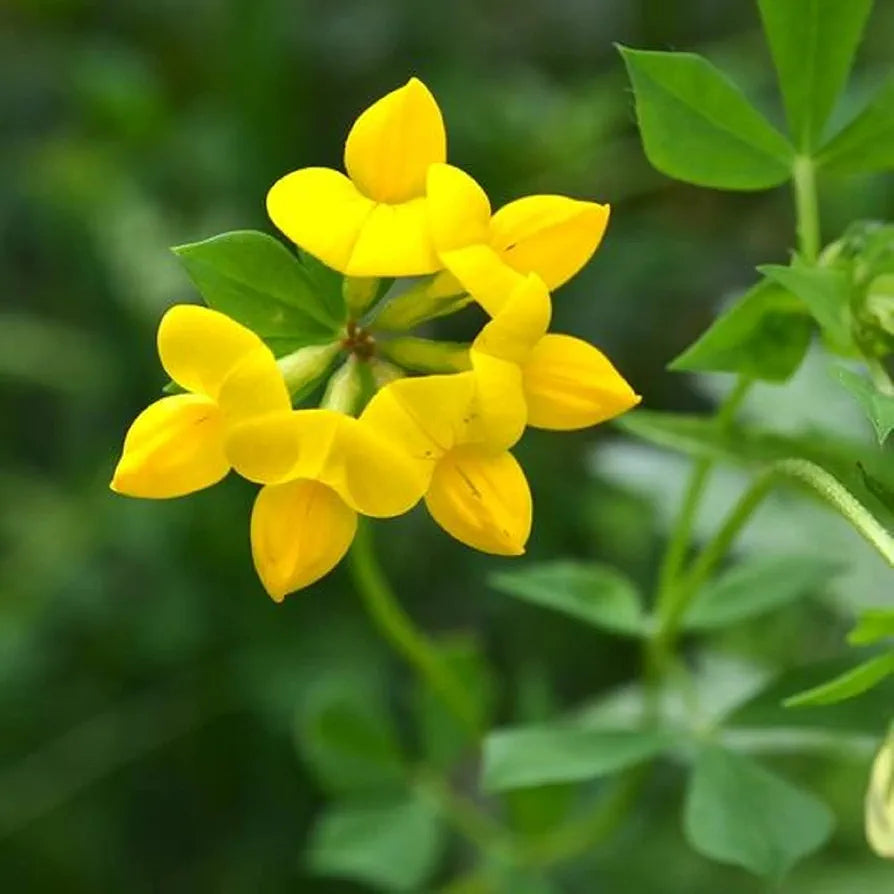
[(395, 240), (322, 211), (393, 142), (501, 412), (458, 209), (373, 476), (880, 802), (368, 472), (299, 532), (570, 384), (199, 347), (483, 274), (423, 417), (482, 500), (254, 387), (552, 236), (174, 447), (519, 324)]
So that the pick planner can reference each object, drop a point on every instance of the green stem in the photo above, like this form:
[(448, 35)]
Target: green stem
[(815, 477), (806, 208), (398, 628), (681, 536)]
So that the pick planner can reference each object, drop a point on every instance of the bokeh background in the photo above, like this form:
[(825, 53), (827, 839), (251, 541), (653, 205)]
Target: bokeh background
[(148, 687)]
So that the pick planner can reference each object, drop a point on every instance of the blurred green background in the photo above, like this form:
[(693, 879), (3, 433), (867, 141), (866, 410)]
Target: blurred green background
[(148, 687)]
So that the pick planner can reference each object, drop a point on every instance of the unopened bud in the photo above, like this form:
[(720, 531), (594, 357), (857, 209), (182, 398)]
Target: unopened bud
[(880, 801), (425, 299), (359, 293), (305, 366), (383, 372), (425, 355), (345, 389)]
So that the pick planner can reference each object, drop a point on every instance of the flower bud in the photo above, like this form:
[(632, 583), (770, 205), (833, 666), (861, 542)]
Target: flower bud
[(425, 299), (880, 801), (383, 372), (427, 356), (345, 389), (303, 367), (359, 293)]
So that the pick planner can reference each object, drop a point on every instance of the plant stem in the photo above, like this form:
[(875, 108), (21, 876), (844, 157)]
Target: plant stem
[(681, 536), (806, 208), (400, 631)]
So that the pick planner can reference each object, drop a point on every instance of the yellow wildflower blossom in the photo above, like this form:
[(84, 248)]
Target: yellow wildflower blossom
[(552, 236), (320, 469), (372, 222), (475, 489), (563, 382), (177, 444)]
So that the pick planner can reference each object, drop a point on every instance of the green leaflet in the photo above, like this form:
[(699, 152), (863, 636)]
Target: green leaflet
[(764, 335), (563, 752), (593, 593), (826, 293), (867, 143), (756, 586), (739, 812), (813, 44), (257, 281), (878, 407), (697, 126), (848, 685), (393, 844)]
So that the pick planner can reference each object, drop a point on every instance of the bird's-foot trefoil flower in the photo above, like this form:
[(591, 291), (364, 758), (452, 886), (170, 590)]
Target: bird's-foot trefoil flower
[(550, 235), (459, 437), (177, 444), (320, 468), (372, 222), (562, 382)]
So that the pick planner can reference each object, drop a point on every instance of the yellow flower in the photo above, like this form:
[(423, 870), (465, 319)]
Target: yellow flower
[(177, 444), (564, 383), (880, 802), (474, 488), (372, 222), (320, 469), (552, 236)]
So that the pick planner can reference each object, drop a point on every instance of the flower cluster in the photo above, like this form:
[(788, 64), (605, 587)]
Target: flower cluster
[(444, 437)]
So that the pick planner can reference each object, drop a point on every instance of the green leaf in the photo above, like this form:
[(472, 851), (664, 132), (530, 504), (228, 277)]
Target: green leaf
[(257, 281), (443, 738), (826, 292), (854, 682), (813, 44), (867, 714), (877, 406), (328, 285), (394, 845), (764, 335), (756, 586), (563, 752), (867, 143), (873, 625), (739, 812), (697, 126), (593, 593), (346, 736)]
